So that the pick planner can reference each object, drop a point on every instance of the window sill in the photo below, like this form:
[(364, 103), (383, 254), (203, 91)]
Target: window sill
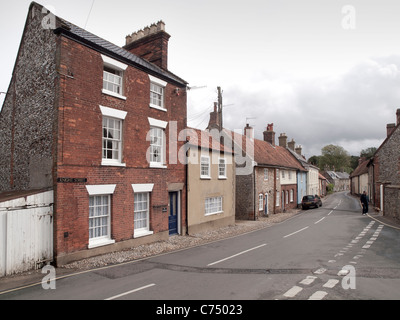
[(139, 234), (205, 178), (157, 107), (157, 165), (213, 214), (113, 94), (112, 163), (100, 243), (222, 178)]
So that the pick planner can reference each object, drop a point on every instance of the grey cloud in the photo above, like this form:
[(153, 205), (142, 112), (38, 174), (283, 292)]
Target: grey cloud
[(352, 109)]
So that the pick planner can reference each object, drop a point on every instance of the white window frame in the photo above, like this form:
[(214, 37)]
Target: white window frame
[(213, 205), (266, 174), (157, 125), (222, 166), (144, 231), (162, 85), (278, 199), (142, 189), (277, 174), (291, 195), (101, 191), (287, 197), (117, 115), (119, 67), (260, 202), (205, 163)]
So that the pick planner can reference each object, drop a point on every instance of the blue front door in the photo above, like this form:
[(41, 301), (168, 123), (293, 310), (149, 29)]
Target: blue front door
[(173, 213)]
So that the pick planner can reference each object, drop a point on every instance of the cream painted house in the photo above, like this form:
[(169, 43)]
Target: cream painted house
[(312, 180), (210, 183)]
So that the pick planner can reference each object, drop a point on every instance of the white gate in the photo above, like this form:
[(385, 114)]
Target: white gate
[(26, 233)]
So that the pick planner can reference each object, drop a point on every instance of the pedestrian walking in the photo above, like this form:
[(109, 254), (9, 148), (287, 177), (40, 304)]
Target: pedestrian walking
[(364, 203)]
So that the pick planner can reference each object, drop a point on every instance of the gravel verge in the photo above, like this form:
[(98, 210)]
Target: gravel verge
[(175, 243)]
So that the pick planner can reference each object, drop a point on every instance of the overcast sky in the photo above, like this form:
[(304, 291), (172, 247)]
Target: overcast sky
[(321, 71)]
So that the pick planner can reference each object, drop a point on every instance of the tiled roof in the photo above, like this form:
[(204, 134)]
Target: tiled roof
[(265, 154), (204, 139), (99, 44), (361, 169)]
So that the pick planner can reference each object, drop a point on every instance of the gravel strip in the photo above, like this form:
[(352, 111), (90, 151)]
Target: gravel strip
[(180, 242)]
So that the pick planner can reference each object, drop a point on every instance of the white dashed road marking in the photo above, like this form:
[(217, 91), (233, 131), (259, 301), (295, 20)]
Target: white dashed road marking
[(295, 232), (331, 283), (293, 292), (238, 254), (319, 295), (130, 292), (320, 271), (308, 280)]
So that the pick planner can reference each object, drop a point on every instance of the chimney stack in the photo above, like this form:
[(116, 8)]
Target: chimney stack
[(214, 119), (299, 149), (291, 145), (249, 132), (398, 116), (390, 128), (283, 140), (269, 134), (151, 44)]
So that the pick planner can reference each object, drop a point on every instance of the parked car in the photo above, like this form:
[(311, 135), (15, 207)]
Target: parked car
[(311, 201)]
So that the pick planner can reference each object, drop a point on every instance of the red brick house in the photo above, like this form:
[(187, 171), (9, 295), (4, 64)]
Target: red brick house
[(93, 122)]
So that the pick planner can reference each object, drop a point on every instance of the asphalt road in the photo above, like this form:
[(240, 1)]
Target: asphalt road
[(330, 253)]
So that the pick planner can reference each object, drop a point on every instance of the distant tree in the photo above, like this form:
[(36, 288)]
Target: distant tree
[(354, 162), (314, 160), (335, 158), (368, 153)]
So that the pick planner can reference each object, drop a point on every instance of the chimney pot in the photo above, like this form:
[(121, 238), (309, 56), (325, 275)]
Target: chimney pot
[(249, 132), (291, 145), (283, 140), (299, 149), (269, 134)]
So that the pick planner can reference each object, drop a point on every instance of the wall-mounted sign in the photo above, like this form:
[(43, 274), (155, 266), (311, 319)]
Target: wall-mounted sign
[(71, 180)]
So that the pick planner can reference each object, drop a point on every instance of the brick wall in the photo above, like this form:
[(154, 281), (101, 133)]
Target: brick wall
[(80, 148), (287, 188)]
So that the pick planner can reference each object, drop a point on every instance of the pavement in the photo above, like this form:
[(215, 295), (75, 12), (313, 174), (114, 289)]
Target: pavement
[(383, 220)]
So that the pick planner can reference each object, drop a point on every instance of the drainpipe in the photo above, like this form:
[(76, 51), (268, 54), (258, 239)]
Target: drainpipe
[(187, 194), (275, 191), (254, 192)]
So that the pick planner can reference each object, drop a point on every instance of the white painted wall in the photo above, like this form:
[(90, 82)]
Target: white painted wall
[(26, 232)]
